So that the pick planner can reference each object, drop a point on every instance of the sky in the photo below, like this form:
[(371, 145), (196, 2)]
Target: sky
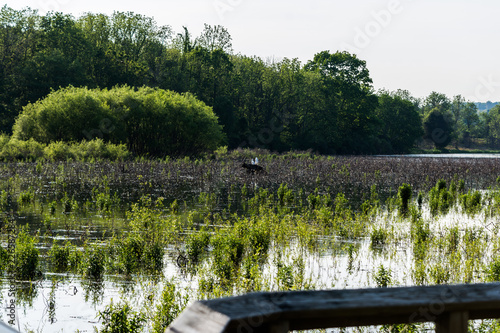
[(446, 46)]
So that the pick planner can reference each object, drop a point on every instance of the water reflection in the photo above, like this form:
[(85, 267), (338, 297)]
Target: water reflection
[(93, 291), (25, 292)]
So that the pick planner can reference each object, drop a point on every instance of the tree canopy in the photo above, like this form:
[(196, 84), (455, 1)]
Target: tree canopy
[(327, 104)]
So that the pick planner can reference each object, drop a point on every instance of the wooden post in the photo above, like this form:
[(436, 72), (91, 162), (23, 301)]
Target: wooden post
[(453, 322), (280, 327)]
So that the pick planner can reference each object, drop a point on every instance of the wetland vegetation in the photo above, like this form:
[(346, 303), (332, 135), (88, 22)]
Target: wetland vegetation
[(130, 244)]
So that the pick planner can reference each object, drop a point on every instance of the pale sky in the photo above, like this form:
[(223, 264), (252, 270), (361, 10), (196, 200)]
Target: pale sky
[(419, 45)]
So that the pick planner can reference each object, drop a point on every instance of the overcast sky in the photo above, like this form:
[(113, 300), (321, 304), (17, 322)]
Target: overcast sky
[(420, 45)]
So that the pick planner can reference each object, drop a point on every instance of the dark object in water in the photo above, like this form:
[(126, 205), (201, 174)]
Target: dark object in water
[(252, 168)]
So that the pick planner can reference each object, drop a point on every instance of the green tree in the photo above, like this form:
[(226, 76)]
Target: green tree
[(494, 125), (436, 100), (470, 122), (350, 102), (400, 122), (215, 38), (437, 129)]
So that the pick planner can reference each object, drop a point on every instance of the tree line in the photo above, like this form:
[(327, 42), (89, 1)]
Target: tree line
[(328, 104)]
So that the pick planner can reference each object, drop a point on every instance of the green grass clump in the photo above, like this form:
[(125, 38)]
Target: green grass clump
[(493, 270), (440, 199), (93, 263)]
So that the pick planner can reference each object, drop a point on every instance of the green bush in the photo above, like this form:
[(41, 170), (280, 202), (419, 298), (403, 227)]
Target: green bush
[(196, 244), (383, 277), (120, 319), (378, 237), (26, 256), (493, 270), (171, 305), (404, 196), (59, 256), (93, 262), (21, 150), (471, 202), (14, 149), (149, 121)]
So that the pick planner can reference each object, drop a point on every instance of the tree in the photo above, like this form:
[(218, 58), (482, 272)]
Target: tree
[(436, 100), (470, 122), (437, 129), (215, 38), (400, 121), (494, 125), (350, 102)]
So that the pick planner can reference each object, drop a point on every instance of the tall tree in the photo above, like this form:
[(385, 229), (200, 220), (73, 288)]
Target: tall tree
[(215, 38), (400, 122), (350, 101), (437, 128)]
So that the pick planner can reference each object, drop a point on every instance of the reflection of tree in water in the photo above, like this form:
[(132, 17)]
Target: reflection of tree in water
[(93, 291), (26, 292), (51, 302)]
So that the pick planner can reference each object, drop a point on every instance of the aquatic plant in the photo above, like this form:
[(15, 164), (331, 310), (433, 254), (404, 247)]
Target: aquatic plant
[(121, 318), (59, 256), (26, 256), (171, 304), (383, 277), (404, 196)]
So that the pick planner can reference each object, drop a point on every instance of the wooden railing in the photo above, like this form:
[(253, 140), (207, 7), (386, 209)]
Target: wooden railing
[(449, 306)]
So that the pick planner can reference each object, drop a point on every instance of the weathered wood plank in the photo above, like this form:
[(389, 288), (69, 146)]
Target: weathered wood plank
[(339, 308)]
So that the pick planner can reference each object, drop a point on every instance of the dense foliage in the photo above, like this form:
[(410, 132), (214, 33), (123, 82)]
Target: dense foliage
[(327, 104), (150, 121)]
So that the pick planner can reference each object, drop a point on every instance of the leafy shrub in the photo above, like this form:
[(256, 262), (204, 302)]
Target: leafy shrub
[(404, 196), (21, 150), (439, 274), (493, 270), (4, 259), (453, 239), (93, 262), (26, 256), (150, 121), (171, 305), (383, 277), (121, 318), (153, 257), (196, 245), (440, 199), (471, 202), (59, 256), (378, 237), (26, 197)]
